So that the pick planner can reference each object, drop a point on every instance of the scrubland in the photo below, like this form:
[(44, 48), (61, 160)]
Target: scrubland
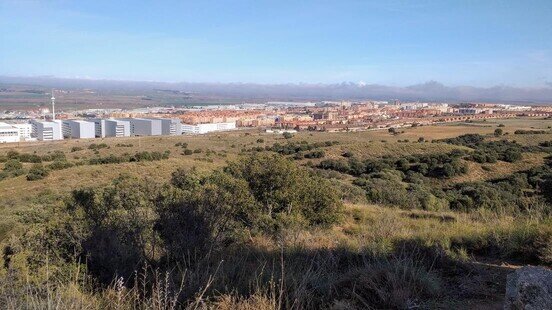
[(249, 220)]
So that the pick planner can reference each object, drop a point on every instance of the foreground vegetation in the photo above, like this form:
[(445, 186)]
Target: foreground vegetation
[(310, 221)]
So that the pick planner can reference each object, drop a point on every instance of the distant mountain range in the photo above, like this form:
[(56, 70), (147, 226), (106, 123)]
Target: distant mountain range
[(429, 91)]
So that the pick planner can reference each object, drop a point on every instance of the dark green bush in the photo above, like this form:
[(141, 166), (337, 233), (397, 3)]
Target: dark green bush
[(37, 172), (59, 165)]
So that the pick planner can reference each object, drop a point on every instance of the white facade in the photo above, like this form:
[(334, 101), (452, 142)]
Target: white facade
[(111, 128), (171, 126), (144, 127), (205, 128), (46, 131), (8, 133), (25, 130), (78, 129)]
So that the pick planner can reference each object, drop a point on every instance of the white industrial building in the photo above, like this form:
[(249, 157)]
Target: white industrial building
[(78, 129), (25, 130), (171, 126), (205, 128), (8, 133), (111, 128), (15, 132), (145, 126), (46, 131)]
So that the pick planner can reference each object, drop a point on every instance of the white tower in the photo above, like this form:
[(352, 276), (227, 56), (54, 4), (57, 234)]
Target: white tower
[(53, 106)]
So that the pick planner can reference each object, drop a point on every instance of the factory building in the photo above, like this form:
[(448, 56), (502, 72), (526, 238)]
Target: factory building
[(46, 131), (144, 126), (8, 133), (111, 128), (205, 128), (78, 129), (25, 130), (171, 126)]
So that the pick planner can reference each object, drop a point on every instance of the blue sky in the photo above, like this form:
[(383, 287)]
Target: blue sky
[(478, 43)]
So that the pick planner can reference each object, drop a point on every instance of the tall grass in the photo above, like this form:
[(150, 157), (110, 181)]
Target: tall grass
[(377, 258)]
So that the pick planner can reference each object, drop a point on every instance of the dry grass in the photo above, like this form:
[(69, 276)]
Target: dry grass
[(17, 194)]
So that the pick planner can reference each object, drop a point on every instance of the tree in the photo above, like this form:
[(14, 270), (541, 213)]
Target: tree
[(214, 212), (117, 223), (285, 191)]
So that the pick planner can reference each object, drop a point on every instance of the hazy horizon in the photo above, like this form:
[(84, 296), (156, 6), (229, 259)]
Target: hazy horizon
[(429, 91)]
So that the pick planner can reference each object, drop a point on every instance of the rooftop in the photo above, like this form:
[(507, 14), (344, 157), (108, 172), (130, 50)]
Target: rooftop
[(5, 126)]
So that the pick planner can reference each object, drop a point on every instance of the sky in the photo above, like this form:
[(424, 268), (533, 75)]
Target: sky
[(397, 43)]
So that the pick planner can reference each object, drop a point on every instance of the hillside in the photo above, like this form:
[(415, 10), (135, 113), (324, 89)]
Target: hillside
[(430, 217)]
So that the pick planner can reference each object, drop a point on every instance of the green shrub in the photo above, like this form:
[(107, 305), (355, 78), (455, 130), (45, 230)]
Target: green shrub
[(12, 165), (37, 172), (59, 165)]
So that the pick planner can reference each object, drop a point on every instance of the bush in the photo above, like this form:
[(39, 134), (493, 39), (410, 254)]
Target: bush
[(348, 154), (509, 151), (431, 165), (287, 135), (315, 154), (59, 165), (137, 157), (95, 146), (37, 172), (76, 149), (529, 132), (12, 165), (188, 152), (30, 158), (56, 155)]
